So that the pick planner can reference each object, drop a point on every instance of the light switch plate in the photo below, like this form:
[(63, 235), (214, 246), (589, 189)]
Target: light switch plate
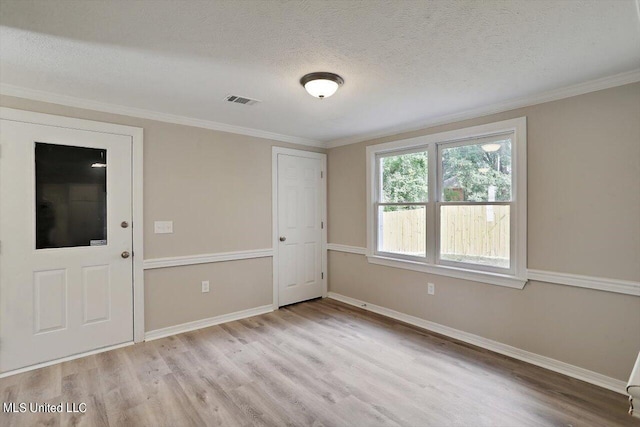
[(163, 227)]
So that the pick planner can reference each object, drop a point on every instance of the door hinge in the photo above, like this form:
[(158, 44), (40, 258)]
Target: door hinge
[(321, 174), (322, 225), (322, 275)]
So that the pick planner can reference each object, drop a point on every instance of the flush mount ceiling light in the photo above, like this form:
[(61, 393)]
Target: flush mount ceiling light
[(490, 148), (322, 84)]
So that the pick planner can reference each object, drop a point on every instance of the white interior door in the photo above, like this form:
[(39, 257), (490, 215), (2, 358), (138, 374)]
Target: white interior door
[(300, 222), (66, 283)]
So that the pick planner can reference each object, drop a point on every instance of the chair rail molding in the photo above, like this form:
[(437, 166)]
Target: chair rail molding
[(627, 287), (346, 248), (177, 261)]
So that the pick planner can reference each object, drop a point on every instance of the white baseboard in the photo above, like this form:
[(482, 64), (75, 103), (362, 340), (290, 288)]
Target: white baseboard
[(507, 350), (64, 359), (152, 335), (203, 323)]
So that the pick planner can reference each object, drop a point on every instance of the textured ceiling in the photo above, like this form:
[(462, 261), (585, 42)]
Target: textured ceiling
[(403, 62)]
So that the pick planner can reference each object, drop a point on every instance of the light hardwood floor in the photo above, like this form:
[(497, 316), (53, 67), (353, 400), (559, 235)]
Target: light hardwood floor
[(316, 363)]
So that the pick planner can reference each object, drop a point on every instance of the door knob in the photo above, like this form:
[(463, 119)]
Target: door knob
[(125, 254), (124, 224), (282, 238)]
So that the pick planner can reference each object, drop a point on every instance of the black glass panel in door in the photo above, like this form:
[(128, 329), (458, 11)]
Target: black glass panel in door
[(71, 196)]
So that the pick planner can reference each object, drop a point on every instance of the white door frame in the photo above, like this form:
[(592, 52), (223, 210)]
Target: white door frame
[(136, 135), (274, 205)]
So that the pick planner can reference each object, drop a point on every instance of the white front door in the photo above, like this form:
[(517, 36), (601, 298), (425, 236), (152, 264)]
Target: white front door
[(300, 222), (66, 283)]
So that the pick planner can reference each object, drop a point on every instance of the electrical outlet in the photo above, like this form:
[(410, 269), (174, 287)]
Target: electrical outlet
[(431, 288), (205, 286)]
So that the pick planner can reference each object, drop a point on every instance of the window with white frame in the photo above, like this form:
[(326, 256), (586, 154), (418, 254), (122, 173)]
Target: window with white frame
[(452, 203)]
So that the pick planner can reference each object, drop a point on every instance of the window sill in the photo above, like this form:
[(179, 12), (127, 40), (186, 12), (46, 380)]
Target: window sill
[(458, 273)]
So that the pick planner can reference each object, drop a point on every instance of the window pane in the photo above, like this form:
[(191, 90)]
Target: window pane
[(478, 234), (404, 178), (402, 230), (477, 172), (71, 196)]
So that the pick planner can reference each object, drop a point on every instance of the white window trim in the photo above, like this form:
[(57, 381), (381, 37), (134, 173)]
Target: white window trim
[(519, 190)]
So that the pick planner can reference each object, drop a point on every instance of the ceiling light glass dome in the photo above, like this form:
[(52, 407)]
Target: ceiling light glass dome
[(321, 84)]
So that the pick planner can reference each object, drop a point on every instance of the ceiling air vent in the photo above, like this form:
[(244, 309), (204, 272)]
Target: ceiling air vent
[(241, 100)]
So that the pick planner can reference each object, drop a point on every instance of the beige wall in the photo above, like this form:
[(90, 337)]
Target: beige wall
[(216, 188), (173, 296), (583, 218)]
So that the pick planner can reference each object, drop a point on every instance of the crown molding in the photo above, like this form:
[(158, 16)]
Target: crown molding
[(628, 77), (71, 101)]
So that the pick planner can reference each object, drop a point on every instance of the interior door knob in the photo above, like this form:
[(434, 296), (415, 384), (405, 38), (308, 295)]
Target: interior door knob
[(125, 254), (282, 238), (124, 224)]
